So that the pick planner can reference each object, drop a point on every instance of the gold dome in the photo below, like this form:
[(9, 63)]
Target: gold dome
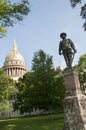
[(14, 57), (14, 65)]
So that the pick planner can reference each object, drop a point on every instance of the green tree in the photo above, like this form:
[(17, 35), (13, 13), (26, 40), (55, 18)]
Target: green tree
[(7, 90), (42, 88), (10, 13), (82, 12), (24, 98), (82, 70), (82, 62), (49, 86)]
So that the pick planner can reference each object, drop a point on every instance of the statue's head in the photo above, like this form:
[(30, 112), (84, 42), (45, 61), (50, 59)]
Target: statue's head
[(63, 35)]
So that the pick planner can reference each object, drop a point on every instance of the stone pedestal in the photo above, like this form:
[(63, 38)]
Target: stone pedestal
[(74, 102)]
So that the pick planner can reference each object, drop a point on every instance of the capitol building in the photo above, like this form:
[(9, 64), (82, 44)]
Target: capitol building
[(14, 65)]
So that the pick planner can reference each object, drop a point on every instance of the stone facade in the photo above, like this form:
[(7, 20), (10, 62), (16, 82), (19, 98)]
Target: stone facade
[(74, 102)]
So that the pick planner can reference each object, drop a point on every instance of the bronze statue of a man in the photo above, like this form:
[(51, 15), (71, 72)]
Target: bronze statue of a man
[(67, 48)]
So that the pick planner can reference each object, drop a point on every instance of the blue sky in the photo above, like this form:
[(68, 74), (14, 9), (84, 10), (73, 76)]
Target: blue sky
[(41, 30)]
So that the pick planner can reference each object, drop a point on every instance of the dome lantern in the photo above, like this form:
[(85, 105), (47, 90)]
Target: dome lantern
[(14, 46)]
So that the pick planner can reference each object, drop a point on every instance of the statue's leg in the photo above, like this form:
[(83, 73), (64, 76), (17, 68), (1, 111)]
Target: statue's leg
[(70, 60), (66, 60)]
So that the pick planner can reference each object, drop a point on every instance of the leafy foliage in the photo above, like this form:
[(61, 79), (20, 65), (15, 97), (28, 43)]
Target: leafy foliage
[(82, 71), (6, 91), (82, 12), (82, 62), (25, 95), (10, 13), (74, 2), (42, 88)]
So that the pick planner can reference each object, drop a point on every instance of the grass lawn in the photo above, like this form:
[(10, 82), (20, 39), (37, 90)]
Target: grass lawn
[(54, 122)]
